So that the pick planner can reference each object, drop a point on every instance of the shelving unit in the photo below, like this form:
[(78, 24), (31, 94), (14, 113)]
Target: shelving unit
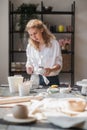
[(17, 56)]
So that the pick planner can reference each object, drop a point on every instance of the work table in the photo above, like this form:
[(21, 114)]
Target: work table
[(39, 125)]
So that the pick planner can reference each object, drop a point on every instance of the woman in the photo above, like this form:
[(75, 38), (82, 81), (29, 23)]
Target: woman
[(43, 51)]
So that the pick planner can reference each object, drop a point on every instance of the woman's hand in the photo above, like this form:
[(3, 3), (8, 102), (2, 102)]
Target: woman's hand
[(47, 71), (29, 70)]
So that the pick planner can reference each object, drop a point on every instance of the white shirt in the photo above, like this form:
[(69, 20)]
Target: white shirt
[(47, 57)]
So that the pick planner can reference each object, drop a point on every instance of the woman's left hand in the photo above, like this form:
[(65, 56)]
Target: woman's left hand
[(47, 71)]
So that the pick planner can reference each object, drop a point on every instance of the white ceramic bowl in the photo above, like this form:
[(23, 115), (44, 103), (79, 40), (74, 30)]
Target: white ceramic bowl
[(82, 82), (64, 90)]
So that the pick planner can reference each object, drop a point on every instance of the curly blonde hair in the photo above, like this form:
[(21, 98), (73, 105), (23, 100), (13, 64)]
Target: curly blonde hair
[(46, 34)]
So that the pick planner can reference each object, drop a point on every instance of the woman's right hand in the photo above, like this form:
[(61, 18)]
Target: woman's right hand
[(29, 70)]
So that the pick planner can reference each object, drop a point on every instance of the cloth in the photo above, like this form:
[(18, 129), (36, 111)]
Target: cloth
[(52, 80), (47, 57), (68, 122), (38, 79), (50, 108)]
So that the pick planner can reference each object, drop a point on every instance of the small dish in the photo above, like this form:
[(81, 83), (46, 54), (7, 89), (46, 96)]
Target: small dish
[(11, 118), (53, 90)]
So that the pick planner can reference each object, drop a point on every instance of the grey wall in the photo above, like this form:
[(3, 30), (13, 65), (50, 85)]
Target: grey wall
[(80, 35), (81, 40), (3, 41)]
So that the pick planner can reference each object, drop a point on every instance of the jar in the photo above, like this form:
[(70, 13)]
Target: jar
[(61, 28), (35, 80)]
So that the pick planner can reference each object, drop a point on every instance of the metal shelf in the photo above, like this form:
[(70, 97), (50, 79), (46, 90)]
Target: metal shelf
[(42, 13)]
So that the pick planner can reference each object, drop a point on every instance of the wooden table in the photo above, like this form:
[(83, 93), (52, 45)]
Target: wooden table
[(39, 125)]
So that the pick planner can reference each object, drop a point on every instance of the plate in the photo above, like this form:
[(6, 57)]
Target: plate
[(11, 118)]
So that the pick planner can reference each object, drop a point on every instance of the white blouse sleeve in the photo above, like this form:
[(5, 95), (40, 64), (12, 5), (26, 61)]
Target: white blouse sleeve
[(58, 55), (28, 51)]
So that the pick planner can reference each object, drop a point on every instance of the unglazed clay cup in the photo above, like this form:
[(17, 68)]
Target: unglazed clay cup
[(20, 111)]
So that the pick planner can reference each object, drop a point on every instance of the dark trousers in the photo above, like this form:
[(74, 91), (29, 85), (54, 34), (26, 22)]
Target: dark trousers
[(53, 80)]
